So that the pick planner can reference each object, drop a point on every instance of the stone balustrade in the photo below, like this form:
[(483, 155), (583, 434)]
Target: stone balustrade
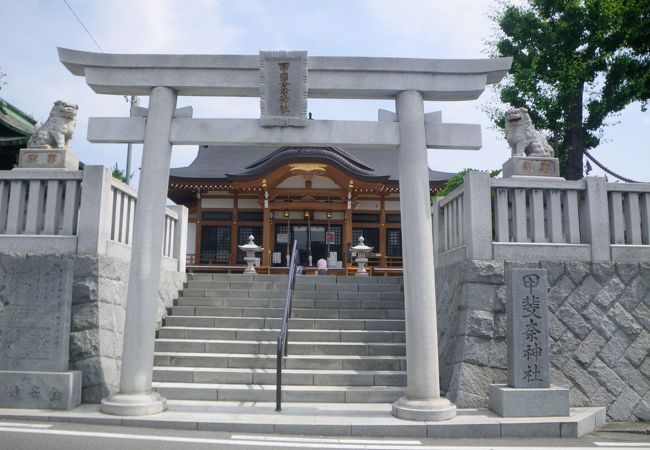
[(546, 220), (78, 212)]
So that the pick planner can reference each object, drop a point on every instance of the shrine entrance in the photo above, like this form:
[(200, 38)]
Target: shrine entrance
[(284, 81), (314, 242)]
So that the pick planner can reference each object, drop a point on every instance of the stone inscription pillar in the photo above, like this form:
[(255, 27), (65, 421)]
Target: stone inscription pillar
[(136, 396), (422, 400)]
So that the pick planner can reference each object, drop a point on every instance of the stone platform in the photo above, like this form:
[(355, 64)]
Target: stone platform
[(325, 419)]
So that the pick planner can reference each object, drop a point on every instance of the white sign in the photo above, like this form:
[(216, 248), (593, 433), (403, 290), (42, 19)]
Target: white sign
[(276, 258)]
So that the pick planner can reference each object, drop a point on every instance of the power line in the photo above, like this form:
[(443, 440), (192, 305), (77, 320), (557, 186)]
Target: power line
[(84, 26)]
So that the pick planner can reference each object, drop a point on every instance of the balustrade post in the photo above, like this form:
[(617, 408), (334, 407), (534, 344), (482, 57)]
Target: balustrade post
[(180, 236), (95, 210), (477, 215), (596, 218), (435, 228)]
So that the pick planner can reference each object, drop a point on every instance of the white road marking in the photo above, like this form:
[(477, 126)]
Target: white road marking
[(624, 444), (24, 425), (324, 440)]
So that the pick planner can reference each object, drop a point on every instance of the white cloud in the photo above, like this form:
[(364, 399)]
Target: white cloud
[(441, 29), (409, 28)]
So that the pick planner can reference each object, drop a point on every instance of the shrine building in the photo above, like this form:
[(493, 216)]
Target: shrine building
[(323, 197)]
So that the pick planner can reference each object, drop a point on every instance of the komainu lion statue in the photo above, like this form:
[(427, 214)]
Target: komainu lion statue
[(57, 130), (522, 136)]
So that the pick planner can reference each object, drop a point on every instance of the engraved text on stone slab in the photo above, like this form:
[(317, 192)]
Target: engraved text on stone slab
[(35, 315), (528, 341), (283, 88)]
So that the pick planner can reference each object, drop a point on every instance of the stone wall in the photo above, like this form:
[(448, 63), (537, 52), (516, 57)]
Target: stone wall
[(98, 311), (599, 328)]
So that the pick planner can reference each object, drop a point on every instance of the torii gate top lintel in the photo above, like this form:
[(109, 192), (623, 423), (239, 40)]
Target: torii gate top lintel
[(329, 77)]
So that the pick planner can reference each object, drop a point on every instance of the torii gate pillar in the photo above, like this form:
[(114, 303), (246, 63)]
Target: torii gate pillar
[(422, 400), (136, 396)]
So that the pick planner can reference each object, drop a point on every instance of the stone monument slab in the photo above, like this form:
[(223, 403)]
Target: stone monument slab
[(44, 390), (283, 88), (35, 307), (529, 392), (531, 166), (528, 341), (35, 312)]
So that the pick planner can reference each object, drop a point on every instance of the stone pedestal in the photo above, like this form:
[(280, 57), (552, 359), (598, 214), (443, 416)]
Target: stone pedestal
[(531, 166), (40, 390), (47, 158), (519, 402)]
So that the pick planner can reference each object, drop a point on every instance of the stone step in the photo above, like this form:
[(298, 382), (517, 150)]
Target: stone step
[(294, 324), (307, 313), (296, 303), (269, 347), (233, 293), (257, 361), (331, 291), (307, 279), (289, 377), (281, 284), (266, 393), (297, 295), (297, 335), (344, 424)]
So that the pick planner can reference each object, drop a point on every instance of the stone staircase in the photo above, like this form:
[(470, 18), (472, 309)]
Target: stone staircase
[(346, 340)]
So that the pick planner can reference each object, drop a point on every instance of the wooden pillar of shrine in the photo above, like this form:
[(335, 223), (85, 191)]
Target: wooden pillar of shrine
[(347, 229), (382, 233), (199, 229), (234, 233), (266, 236)]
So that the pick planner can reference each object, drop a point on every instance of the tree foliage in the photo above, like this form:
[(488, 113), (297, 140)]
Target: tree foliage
[(459, 179), (2, 78), (575, 63), (119, 174)]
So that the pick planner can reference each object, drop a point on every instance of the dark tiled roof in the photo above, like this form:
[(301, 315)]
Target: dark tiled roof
[(214, 162), (15, 126)]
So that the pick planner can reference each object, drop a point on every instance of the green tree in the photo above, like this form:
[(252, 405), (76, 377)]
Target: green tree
[(2, 78), (459, 179), (575, 63)]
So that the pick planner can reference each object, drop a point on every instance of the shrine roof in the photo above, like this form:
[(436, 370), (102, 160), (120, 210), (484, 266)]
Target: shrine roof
[(15, 125), (230, 162)]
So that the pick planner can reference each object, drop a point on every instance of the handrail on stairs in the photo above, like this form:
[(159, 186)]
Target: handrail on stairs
[(283, 338)]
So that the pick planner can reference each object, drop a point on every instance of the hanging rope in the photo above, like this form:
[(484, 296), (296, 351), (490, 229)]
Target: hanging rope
[(611, 172)]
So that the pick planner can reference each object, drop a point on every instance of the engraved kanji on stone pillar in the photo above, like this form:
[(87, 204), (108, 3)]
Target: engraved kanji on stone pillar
[(283, 89), (528, 342)]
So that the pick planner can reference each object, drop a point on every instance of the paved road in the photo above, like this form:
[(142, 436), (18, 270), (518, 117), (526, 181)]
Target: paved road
[(24, 435)]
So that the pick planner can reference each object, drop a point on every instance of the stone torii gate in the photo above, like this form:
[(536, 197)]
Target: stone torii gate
[(284, 81)]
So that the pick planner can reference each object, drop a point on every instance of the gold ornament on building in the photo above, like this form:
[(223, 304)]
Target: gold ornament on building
[(307, 168)]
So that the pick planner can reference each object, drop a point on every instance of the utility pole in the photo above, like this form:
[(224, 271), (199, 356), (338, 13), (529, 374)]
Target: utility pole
[(134, 101)]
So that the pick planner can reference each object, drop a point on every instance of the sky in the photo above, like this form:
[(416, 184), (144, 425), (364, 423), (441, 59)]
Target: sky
[(33, 29)]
